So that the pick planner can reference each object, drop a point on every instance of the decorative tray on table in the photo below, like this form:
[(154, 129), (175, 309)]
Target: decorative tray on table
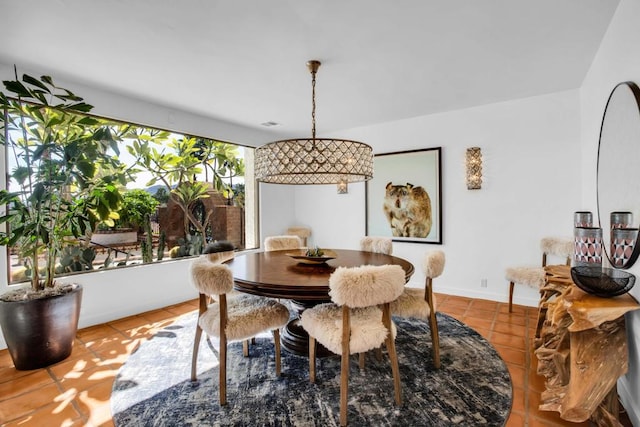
[(312, 256)]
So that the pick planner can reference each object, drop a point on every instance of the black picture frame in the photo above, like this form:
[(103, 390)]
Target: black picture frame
[(396, 205)]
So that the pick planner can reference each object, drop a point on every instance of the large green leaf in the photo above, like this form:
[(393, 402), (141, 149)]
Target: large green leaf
[(17, 88), (35, 82)]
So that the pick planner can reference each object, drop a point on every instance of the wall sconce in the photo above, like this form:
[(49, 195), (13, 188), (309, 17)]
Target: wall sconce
[(343, 186), (474, 168)]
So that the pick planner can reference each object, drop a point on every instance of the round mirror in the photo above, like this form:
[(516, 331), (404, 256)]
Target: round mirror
[(618, 189)]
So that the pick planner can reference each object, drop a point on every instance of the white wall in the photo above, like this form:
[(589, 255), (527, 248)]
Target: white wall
[(116, 293), (277, 205), (531, 159), (616, 61)]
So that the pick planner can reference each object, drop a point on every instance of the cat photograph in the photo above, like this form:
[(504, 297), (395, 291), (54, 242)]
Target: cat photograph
[(408, 210)]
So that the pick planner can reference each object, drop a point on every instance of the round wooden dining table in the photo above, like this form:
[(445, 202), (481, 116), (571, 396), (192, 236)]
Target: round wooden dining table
[(278, 274)]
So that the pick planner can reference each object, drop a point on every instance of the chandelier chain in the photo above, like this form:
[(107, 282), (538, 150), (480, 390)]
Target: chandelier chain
[(313, 104)]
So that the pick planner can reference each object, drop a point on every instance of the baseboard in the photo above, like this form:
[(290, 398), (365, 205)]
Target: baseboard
[(491, 296), (630, 404)]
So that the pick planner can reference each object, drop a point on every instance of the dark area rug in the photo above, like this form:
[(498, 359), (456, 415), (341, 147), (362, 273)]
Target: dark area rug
[(472, 388)]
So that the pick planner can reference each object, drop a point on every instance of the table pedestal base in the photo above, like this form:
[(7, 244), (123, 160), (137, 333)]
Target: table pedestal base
[(295, 339)]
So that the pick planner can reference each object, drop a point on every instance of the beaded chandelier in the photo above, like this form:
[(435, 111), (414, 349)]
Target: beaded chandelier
[(313, 160)]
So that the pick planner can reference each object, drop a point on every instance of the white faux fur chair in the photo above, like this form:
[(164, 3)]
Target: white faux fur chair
[(279, 243), (421, 303), (535, 276), (236, 319), (220, 257), (302, 232), (382, 245), (357, 321)]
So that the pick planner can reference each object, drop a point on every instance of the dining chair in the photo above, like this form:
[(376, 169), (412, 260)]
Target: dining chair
[(534, 277), (357, 320), (383, 245), (279, 243), (219, 252), (236, 319), (420, 303), (302, 232)]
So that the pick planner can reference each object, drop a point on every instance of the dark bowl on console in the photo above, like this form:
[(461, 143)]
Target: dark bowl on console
[(602, 282)]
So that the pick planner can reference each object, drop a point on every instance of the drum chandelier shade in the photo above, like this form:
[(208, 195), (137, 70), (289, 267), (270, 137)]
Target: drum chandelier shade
[(313, 160)]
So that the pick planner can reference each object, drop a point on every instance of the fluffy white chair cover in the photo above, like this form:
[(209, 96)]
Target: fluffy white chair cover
[(220, 257), (383, 245), (299, 231), (558, 246), (361, 289), (302, 232), (366, 285), (279, 243), (530, 276), (324, 322), (433, 264), (412, 302), (210, 278), (247, 316)]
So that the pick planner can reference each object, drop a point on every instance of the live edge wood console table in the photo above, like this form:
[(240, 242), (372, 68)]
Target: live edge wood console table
[(581, 346)]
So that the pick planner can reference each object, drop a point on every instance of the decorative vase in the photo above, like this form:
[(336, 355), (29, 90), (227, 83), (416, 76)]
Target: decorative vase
[(623, 241), (621, 220), (582, 219), (588, 246)]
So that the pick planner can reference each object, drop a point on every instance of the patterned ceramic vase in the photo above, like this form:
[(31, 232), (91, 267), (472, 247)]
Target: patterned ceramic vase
[(582, 219), (622, 242), (588, 246), (621, 219)]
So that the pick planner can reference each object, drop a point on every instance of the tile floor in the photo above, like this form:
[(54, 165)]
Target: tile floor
[(76, 391)]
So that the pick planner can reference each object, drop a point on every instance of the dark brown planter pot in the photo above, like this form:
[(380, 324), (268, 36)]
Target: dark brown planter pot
[(40, 332)]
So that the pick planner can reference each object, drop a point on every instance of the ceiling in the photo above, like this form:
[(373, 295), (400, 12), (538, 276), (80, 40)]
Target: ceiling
[(243, 61)]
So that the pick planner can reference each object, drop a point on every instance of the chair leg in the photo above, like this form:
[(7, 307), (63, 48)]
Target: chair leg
[(223, 370), (344, 363), (196, 347), (511, 297), (344, 385), (393, 358), (391, 350), (361, 360), (245, 348), (276, 343), (312, 359), (202, 308), (435, 339)]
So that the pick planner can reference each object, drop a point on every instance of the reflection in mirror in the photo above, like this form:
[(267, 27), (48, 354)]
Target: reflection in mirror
[(619, 172)]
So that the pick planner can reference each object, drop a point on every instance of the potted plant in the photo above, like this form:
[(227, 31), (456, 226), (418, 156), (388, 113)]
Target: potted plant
[(64, 179)]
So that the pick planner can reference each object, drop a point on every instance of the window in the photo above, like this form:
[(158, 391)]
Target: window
[(178, 193)]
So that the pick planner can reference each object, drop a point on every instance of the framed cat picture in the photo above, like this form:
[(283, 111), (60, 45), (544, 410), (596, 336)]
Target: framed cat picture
[(404, 197)]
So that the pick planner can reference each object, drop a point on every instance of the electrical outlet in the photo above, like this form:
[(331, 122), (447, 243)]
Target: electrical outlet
[(483, 283)]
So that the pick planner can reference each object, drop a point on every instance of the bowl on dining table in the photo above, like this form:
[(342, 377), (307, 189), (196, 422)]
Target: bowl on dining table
[(302, 257)]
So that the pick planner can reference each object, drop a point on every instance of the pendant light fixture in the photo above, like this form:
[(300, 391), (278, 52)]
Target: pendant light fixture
[(313, 160)]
